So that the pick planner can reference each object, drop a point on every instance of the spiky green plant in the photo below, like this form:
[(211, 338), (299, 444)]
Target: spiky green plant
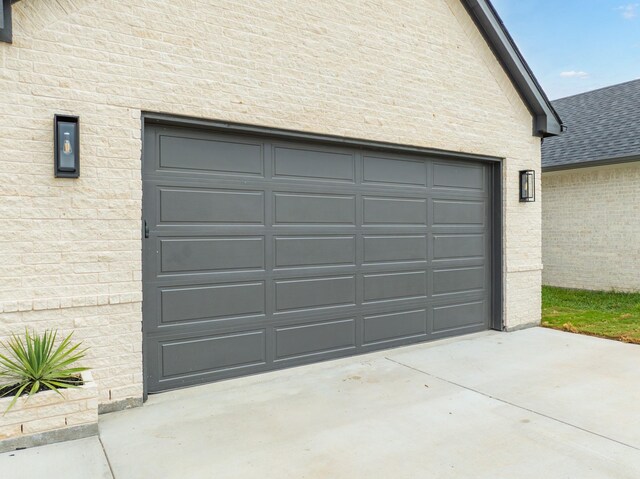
[(34, 362)]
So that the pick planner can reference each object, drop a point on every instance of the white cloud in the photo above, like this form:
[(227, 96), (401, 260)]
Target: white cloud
[(574, 74), (629, 10)]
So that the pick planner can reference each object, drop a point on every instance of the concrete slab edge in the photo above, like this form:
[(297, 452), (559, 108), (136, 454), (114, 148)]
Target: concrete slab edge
[(121, 405), (49, 437)]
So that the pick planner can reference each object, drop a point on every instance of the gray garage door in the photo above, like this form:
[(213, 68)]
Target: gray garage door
[(265, 253)]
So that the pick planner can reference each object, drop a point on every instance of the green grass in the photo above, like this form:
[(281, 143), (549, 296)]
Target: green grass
[(598, 313)]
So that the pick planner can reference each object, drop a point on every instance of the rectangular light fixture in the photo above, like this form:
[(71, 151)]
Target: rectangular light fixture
[(67, 146), (527, 186), (5, 21)]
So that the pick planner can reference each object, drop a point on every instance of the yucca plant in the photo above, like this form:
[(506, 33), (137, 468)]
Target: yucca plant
[(34, 363)]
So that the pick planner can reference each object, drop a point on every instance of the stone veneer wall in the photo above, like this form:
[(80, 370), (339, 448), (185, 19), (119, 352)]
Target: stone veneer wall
[(591, 227)]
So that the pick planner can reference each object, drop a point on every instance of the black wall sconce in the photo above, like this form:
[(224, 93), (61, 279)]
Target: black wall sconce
[(527, 186), (67, 146), (5, 21)]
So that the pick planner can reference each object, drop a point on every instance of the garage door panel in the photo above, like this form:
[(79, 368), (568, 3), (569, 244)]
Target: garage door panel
[(458, 280), (307, 251), (395, 286), (211, 206), (211, 156), (458, 246), (315, 338), (193, 303), (393, 326), (464, 176), (394, 171), (314, 209), (208, 278), (188, 255), (315, 293), (194, 356), (266, 253), (394, 248), (460, 194), (397, 211), (461, 315), (313, 164), (287, 319), (462, 213)]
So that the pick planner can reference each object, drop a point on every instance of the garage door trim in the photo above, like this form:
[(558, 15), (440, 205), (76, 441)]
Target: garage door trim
[(256, 130)]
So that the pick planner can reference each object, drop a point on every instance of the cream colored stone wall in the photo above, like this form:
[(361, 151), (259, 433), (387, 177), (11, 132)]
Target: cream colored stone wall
[(591, 228), (400, 71)]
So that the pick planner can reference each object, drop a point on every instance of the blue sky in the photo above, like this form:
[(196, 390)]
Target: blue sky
[(574, 46)]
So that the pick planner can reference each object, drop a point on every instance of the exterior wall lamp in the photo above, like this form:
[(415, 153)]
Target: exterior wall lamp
[(5, 21), (67, 146), (527, 186)]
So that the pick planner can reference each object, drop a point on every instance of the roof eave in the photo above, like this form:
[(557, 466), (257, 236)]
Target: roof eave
[(546, 121), (592, 163), (546, 126)]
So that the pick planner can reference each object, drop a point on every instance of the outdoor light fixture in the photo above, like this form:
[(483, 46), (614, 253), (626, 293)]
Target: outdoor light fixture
[(67, 146), (5, 21), (527, 186)]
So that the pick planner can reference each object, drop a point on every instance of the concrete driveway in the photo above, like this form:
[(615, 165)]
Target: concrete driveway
[(530, 404)]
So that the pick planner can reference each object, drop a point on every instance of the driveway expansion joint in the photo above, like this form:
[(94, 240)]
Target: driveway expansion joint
[(532, 411), (106, 456)]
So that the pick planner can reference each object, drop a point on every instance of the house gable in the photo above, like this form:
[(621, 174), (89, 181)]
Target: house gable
[(546, 121)]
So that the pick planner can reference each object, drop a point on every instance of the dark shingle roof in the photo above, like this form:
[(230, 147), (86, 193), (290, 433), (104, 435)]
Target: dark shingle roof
[(601, 125)]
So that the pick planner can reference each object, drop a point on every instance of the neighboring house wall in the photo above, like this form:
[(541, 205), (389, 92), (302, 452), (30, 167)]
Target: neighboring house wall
[(408, 72), (591, 227)]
